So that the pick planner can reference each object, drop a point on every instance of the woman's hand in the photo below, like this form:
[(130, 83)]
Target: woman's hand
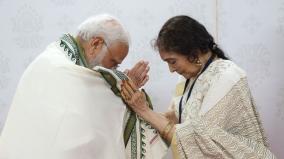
[(171, 116), (139, 73), (134, 98)]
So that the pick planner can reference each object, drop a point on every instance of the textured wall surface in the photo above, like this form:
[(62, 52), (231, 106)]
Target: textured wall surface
[(251, 32)]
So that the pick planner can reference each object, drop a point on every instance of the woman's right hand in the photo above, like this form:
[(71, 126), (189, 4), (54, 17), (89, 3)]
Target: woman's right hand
[(134, 98)]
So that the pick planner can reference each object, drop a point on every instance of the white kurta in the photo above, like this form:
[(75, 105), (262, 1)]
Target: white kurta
[(63, 111)]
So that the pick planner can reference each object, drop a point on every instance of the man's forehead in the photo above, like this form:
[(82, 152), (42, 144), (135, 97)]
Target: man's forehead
[(119, 51)]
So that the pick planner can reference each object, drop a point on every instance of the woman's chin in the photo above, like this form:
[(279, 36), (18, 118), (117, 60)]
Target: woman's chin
[(186, 76)]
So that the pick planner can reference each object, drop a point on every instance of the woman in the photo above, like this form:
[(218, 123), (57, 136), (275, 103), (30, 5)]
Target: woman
[(216, 116)]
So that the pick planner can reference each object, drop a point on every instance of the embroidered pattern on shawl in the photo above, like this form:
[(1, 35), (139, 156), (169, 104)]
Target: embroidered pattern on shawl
[(231, 129)]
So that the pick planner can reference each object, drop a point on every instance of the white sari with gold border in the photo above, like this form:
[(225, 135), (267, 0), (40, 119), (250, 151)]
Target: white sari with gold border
[(219, 120)]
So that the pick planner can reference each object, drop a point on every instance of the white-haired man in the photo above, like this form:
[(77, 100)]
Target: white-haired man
[(62, 108)]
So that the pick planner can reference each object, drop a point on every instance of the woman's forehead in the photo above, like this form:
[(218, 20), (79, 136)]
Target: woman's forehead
[(170, 55)]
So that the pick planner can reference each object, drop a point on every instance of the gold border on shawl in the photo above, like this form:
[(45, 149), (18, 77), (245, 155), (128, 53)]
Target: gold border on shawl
[(174, 147)]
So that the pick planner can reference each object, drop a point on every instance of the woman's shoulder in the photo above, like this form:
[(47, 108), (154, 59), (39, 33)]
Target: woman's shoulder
[(221, 77), (227, 68)]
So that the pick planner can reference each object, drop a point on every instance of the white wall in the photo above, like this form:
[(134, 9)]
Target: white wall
[(250, 31)]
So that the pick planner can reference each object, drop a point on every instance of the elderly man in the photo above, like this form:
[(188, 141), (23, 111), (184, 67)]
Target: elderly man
[(62, 108)]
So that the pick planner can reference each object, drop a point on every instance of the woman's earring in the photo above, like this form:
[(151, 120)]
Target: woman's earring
[(198, 62)]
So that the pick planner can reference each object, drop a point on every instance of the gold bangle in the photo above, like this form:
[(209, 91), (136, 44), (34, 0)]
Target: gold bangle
[(169, 132), (167, 129)]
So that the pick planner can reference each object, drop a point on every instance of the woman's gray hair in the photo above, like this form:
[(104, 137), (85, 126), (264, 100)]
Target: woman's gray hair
[(105, 26)]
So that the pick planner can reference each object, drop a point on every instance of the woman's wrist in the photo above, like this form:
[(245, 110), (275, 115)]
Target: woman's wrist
[(170, 135), (158, 121), (165, 127), (145, 113)]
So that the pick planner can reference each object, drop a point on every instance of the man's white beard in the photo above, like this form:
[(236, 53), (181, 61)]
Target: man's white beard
[(98, 60)]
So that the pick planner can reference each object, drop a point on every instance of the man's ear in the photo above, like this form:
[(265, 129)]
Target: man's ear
[(96, 43)]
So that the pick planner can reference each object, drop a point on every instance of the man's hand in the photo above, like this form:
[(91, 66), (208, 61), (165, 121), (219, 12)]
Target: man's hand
[(139, 73)]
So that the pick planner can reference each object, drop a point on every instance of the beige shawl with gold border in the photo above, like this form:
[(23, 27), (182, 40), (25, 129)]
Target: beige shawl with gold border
[(220, 120)]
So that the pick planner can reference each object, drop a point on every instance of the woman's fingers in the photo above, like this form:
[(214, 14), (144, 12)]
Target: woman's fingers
[(125, 94), (133, 97), (131, 85), (128, 90), (125, 97)]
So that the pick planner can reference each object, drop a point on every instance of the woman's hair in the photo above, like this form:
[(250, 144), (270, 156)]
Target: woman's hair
[(184, 35)]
